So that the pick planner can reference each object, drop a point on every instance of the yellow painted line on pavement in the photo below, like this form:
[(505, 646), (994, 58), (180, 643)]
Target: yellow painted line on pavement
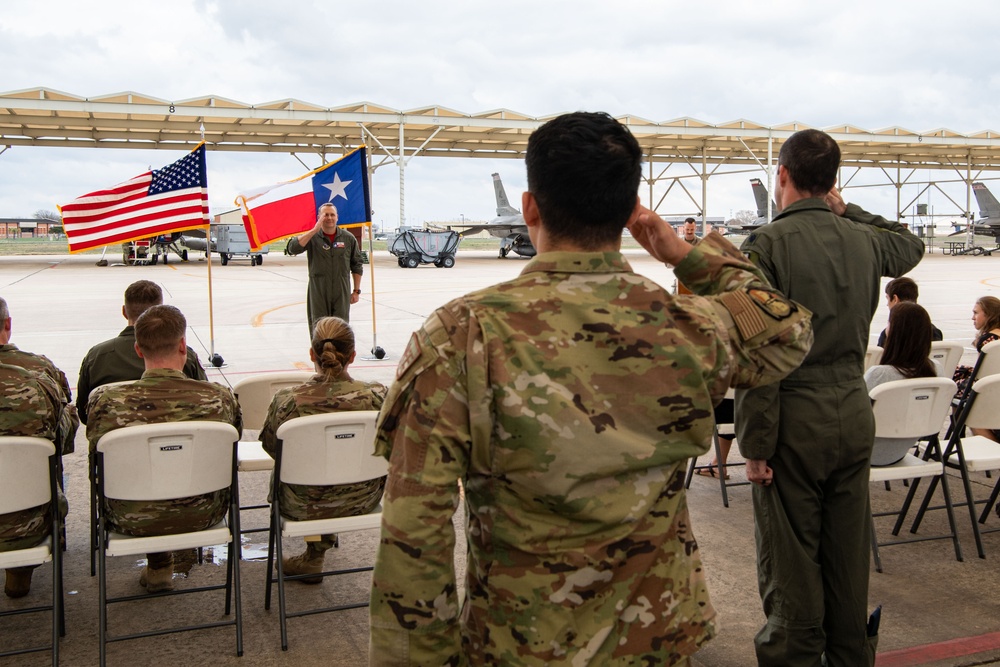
[(258, 319)]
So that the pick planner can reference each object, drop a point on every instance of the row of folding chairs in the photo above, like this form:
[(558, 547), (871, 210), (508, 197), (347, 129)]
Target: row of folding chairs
[(160, 462)]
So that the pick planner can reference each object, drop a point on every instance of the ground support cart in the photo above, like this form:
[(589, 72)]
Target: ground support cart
[(413, 247)]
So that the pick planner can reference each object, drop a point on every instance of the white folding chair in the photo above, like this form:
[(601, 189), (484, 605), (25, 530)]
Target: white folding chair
[(29, 478), (914, 409), (321, 450), (254, 395), (158, 462), (873, 355), (724, 427), (948, 354), (975, 453)]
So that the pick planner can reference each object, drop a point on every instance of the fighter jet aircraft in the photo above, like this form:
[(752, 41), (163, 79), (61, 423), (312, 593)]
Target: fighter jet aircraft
[(989, 210), (508, 226)]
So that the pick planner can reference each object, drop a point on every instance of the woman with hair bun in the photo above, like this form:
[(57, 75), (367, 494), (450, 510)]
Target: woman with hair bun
[(332, 389)]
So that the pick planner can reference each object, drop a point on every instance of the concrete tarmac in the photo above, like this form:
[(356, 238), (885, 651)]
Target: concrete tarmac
[(936, 611)]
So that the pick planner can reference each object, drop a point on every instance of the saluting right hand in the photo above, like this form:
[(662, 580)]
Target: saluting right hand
[(658, 238)]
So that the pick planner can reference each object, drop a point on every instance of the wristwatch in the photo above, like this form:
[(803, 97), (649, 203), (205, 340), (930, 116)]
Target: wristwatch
[(357, 291)]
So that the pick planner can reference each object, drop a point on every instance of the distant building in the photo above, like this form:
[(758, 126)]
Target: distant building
[(15, 228)]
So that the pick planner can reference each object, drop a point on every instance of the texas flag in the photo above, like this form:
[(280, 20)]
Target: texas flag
[(286, 209)]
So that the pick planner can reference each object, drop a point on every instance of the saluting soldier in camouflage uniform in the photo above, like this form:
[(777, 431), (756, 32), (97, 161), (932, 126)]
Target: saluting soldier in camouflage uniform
[(567, 401), (163, 394), (115, 360), (29, 406), (10, 354), (335, 267), (808, 439), (332, 389)]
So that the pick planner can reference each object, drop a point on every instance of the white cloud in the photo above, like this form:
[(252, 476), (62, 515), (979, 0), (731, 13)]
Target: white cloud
[(917, 65)]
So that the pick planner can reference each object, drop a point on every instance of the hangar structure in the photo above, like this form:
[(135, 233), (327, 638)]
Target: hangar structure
[(45, 117)]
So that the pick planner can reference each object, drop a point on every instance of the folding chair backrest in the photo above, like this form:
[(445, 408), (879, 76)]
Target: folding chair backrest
[(328, 449), (167, 461), (948, 354), (991, 360), (24, 473), (985, 411), (872, 356), (255, 393), (911, 408)]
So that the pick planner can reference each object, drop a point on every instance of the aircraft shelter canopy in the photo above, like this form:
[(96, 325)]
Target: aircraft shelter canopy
[(44, 117)]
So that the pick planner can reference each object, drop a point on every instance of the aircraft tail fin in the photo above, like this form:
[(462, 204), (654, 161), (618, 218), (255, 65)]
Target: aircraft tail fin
[(503, 205), (989, 207), (760, 195)]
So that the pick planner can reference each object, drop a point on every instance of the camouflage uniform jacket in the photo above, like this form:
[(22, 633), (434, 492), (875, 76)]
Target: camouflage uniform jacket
[(318, 397), (161, 395), (68, 420), (568, 401), (29, 406), (115, 360)]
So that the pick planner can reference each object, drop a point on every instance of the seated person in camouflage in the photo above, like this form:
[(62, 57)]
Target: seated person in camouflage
[(332, 389), (567, 401), (162, 394), (10, 354), (115, 360), (29, 406)]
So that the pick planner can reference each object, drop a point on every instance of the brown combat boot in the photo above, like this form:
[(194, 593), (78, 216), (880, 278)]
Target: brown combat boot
[(158, 576), (18, 581), (308, 562)]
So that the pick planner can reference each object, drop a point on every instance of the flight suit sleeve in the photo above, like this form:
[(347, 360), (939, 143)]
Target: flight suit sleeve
[(357, 266), (294, 247), (83, 388), (424, 431), (901, 249), (769, 335)]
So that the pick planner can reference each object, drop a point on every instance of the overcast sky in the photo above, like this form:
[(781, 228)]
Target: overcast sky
[(919, 65)]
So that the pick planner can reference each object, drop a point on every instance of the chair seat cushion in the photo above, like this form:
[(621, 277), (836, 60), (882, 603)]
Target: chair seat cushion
[(31, 556), (128, 545), (251, 457), (981, 453), (342, 524), (908, 468)]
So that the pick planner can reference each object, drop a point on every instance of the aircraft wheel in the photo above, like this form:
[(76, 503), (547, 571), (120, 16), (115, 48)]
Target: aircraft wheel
[(225, 259), (164, 258), (412, 262), (447, 261), (260, 259), (503, 252), (153, 261), (184, 254)]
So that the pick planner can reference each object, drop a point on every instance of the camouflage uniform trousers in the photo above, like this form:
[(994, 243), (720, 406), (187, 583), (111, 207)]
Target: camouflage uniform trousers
[(183, 515), (29, 527), (306, 503)]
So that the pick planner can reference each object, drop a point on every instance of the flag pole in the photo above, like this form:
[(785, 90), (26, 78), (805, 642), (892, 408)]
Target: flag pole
[(378, 352), (214, 359)]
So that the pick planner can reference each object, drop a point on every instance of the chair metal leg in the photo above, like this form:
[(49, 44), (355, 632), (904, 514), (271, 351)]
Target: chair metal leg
[(990, 503), (92, 465), (875, 554), (281, 589), (720, 468), (103, 594), (270, 563), (950, 509), (690, 471)]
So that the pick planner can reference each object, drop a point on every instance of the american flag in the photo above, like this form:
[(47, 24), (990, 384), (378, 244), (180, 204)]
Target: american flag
[(165, 200)]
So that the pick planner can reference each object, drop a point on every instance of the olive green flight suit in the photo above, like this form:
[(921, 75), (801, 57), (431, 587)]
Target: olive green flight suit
[(815, 428), (330, 267)]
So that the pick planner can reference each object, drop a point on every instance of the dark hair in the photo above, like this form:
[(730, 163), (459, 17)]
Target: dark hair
[(687, 220), (908, 341), (333, 343), (159, 329), (991, 309), (583, 171), (904, 289), (139, 296), (811, 158)]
